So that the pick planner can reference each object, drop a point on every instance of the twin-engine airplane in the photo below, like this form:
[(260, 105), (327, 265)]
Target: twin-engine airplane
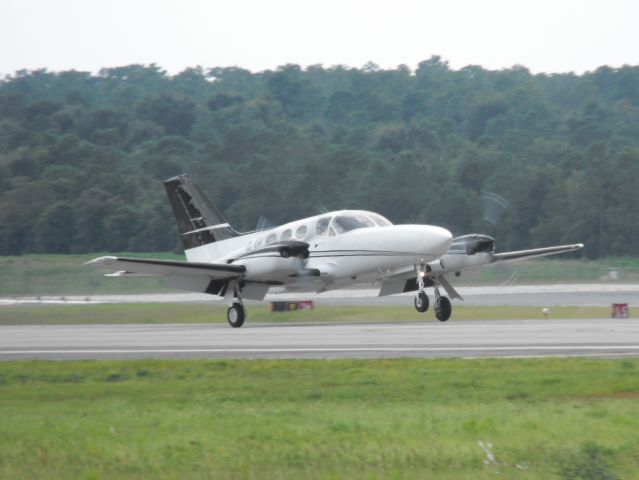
[(316, 254)]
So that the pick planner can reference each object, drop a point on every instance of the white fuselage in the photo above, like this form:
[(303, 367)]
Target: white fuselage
[(346, 246)]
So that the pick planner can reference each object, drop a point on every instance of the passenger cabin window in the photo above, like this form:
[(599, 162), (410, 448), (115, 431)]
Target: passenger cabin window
[(286, 235), (270, 239), (322, 225), (301, 231), (352, 221)]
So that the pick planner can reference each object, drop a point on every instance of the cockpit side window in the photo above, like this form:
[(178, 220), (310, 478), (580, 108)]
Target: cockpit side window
[(347, 222), (322, 226)]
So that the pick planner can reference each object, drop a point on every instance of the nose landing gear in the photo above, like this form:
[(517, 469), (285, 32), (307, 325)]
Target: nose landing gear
[(421, 302)]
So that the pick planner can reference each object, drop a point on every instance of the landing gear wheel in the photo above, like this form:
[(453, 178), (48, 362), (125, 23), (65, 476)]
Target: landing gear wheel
[(421, 302), (443, 309), (235, 315)]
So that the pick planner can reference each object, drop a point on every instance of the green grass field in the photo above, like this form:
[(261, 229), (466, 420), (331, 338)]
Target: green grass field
[(280, 419), (65, 275), (216, 313)]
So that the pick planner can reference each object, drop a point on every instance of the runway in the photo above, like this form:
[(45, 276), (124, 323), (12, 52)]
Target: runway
[(497, 338)]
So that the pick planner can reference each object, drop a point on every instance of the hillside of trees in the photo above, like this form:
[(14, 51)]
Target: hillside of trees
[(82, 156)]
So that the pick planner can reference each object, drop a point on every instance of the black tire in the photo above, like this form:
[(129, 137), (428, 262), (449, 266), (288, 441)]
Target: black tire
[(443, 309), (235, 315), (421, 302)]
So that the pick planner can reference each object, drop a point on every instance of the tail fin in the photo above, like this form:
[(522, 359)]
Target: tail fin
[(199, 222)]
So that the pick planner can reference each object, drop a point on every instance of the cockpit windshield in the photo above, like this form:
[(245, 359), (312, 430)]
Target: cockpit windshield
[(379, 220), (351, 221)]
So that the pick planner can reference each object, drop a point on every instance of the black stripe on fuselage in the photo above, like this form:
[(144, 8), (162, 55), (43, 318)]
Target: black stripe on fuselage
[(345, 253), (363, 253), (196, 265)]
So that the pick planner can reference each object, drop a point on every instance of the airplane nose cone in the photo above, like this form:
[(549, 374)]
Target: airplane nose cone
[(423, 243), (442, 238), (429, 241)]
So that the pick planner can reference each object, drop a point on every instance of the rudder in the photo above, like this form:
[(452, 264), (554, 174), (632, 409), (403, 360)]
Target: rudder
[(198, 221)]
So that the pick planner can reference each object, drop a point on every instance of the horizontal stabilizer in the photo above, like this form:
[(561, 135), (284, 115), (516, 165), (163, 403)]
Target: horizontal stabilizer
[(167, 267), (124, 273)]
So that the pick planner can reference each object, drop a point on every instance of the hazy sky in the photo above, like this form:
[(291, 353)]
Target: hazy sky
[(543, 35)]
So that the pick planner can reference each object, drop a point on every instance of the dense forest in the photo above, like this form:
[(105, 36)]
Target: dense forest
[(531, 159)]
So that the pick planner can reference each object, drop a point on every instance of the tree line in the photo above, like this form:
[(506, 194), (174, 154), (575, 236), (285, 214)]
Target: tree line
[(531, 159)]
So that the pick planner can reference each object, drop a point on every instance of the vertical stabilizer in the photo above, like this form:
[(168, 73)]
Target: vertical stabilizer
[(198, 221)]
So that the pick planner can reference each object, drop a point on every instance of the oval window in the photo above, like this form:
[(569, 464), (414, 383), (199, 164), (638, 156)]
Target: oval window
[(270, 239), (301, 232), (286, 235)]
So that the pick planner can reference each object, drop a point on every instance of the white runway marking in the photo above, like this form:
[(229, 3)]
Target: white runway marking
[(322, 350)]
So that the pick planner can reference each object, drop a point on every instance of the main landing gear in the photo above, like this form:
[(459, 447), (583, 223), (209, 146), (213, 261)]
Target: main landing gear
[(443, 307), (236, 314)]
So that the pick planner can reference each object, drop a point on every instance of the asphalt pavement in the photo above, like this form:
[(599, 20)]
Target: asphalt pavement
[(496, 338)]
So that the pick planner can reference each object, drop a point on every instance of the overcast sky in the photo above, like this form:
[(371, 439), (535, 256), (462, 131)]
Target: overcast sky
[(543, 35)]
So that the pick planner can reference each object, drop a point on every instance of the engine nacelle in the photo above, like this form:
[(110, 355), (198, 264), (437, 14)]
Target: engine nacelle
[(277, 260), (270, 267), (436, 267), (472, 244), (292, 248)]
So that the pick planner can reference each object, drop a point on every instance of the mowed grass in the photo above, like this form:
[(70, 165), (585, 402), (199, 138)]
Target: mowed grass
[(48, 274), (216, 313), (316, 419)]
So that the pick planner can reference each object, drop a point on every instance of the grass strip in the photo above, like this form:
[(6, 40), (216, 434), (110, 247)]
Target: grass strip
[(317, 419), (216, 313)]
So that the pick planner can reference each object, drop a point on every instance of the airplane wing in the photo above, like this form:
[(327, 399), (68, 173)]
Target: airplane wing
[(536, 252), (198, 277), (152, 267), (405, 281)]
